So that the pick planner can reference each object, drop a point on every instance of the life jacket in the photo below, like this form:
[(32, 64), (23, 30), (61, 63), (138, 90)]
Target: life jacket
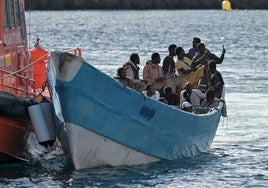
[(135, 69), (153, 69)]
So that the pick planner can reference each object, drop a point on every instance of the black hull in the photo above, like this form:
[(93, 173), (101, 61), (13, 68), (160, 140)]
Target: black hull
[(14, 107)]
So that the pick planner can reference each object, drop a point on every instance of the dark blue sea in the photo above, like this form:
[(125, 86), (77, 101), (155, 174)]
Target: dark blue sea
[(239, 153)]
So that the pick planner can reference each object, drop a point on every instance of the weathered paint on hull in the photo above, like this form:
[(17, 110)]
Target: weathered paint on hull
[(89, 150), (110, 113)]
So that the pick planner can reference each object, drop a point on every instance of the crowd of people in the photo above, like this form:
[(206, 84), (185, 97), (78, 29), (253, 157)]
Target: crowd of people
[(191, 81)]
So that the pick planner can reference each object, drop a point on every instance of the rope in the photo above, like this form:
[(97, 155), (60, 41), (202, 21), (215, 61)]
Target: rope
[(44, 85), (14, 73)]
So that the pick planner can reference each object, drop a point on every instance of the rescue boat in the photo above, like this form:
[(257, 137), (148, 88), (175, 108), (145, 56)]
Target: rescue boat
[(22, 83)]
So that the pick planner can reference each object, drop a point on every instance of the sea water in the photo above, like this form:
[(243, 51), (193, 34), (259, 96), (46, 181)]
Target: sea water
[(239, 153)]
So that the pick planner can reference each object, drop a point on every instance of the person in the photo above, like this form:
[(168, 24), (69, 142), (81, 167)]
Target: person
[(152, 71), (186, 72), (132, 71), (168, 62), (210, 101), (172, 98), (193, 96), (151, 92), (131, 66), (215, 80), (186, 106), (169, 70), (203, 56), (192, 51), (122, 78)]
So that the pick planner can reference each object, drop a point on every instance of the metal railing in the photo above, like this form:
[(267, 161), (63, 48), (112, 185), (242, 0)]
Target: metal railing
[(18, 83)]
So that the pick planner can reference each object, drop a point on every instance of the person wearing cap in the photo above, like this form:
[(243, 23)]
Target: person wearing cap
[(193, 96), (151, 92)]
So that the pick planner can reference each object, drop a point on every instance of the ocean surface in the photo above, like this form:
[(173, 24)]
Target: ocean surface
[(239, 153)]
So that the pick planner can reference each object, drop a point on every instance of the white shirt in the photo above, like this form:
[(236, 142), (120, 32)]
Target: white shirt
[(195, 98), (155, 96)]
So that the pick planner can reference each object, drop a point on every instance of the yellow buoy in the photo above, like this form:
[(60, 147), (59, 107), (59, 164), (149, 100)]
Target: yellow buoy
[(226, 5)]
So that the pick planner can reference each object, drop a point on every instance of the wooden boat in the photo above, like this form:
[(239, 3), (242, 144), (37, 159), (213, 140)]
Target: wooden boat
[(104, 123), (22, 74)]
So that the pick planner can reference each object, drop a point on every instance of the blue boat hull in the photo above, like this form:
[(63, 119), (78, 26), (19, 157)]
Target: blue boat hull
[(84, 96)]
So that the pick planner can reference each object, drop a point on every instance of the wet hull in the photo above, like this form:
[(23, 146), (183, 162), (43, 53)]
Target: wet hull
[(13, 141)]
